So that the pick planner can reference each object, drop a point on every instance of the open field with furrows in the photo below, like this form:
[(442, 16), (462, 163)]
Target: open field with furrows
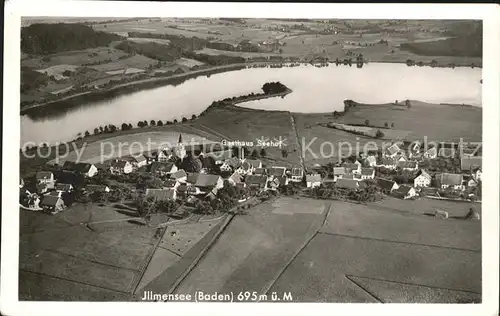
[(97, 253), (241, 124), (321, 144), (437, 122), (255, 247), (363, 254)]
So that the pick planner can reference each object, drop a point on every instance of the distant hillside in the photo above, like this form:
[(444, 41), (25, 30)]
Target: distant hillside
[(31, 79), (468, 42), (45, 39)]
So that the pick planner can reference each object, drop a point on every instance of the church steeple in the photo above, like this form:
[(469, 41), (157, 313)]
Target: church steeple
[(180, 139)]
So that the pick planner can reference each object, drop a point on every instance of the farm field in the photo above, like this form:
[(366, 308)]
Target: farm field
[(241, 124), (255, 247), (128, 145), (106, 261), (437, 122), (367, 255)]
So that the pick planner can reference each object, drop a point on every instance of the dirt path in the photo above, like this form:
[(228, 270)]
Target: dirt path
[(301, 156)]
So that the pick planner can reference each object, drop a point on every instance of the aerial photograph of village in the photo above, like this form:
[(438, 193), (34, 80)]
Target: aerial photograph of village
[(250, 160)]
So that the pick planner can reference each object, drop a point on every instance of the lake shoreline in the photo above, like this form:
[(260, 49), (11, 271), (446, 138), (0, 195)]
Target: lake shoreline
[(151, 83)]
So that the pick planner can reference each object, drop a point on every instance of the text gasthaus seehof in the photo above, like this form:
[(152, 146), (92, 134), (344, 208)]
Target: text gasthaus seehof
[(200, 296)]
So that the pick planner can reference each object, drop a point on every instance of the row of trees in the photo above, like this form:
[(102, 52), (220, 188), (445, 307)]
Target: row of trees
[(370, 192)]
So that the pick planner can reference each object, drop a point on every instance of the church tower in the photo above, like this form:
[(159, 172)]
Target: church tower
[(180, 150)]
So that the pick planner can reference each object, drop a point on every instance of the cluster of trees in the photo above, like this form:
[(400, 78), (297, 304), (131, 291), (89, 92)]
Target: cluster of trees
[(273, 87), (32, 80), (215, 60), (43, 39), (370, 192), (152, 50)]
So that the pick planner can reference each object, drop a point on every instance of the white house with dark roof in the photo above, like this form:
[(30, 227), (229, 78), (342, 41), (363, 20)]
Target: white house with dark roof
[(450, 180), (86, 169), (235, 178), (387, 185), (297, 174), (209, 182), (367, 173), (354, 168), (139, 161), (392, 151), (371, 161), (422, 180), (256, 181), (338, 173), (52, 203), (179, 175), (431, 153), (244, 168), (276, 171), (44, 177), (405, 192), (313, 180), (120, 167), (163, 168), (387, 163)]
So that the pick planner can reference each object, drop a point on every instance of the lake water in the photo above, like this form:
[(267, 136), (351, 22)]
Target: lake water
[(315, 90)]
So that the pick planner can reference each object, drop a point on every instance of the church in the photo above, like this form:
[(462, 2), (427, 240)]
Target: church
[(166, 154)]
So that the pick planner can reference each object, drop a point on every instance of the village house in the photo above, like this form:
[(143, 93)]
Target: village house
[(163, 168), (86, 169), (477, 174), (254, 164), (367, 173), (91, 188), (170, 184), (387, 163), (276, 171), (354, 168), (64, 187), (191, 178), (450, 180), (33, 201), (164, 155), (44, 177), (235, 179), (139, 161), (179, 176), (273, 184), (283, 180), (162, 194), (405, 192), (392, 151), (182, 190), (431, 153), (371, 161), (220, 156), (468, 164), (313, 180), (297, 174), (54, 193), (422, 180), (407, 165), (244, 168), (44, 187), (209, 182), (120, 167), (53, 204), (256, 181), (347, 184), (230, 164), (350, 176), (338, 173), (387, 186)]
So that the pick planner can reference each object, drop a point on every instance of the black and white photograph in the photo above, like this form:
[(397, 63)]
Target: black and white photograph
[(219, 157)]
